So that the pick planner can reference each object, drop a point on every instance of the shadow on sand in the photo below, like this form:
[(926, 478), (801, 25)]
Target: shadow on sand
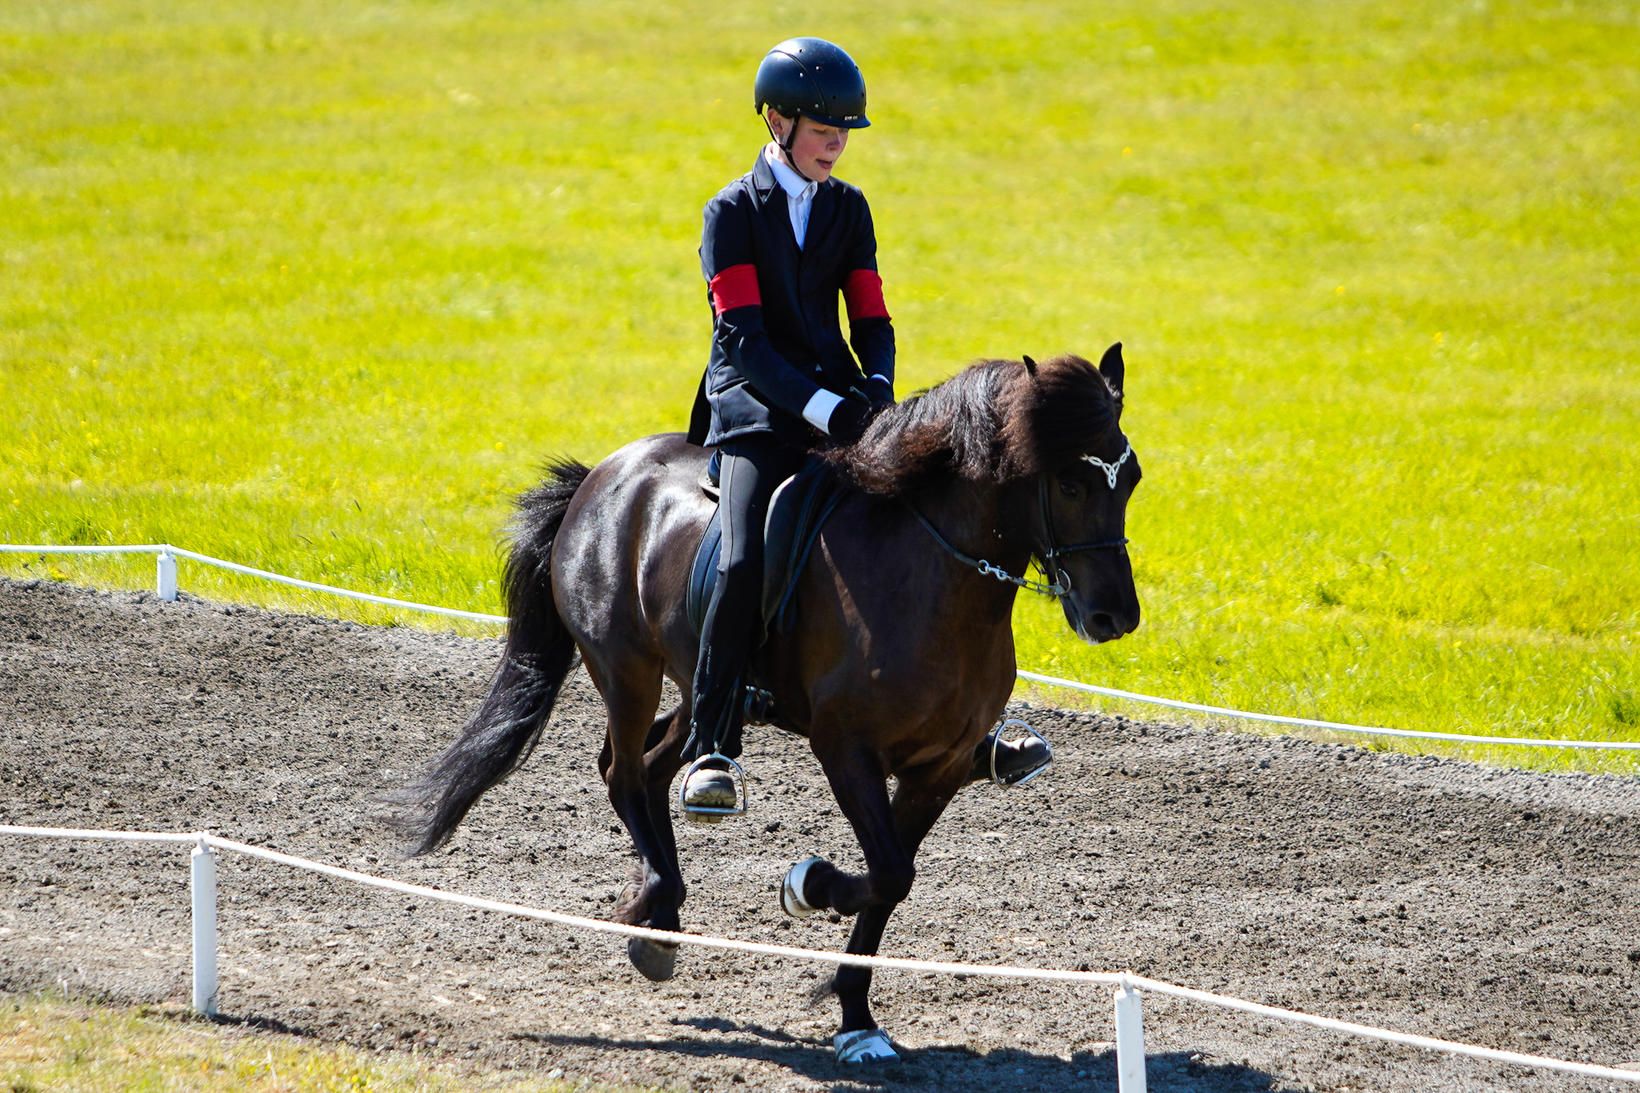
[(941, 1067)]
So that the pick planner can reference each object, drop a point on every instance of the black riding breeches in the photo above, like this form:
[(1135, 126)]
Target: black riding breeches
[(752, 467)]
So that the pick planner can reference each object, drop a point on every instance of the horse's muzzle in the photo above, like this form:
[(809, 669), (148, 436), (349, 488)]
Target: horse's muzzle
[(1096, 625)]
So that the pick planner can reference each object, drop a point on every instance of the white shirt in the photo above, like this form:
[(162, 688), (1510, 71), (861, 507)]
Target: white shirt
[(799, 203), (799, 192)]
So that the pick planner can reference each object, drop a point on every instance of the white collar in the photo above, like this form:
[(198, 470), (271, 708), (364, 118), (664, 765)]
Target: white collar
[(796, 186)]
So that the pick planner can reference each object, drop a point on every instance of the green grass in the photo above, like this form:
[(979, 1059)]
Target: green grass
[(318, 289), (51, 1044)]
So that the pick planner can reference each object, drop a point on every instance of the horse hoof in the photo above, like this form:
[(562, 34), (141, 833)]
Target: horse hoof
[(791, 889), (656, 961), (869, 1045)]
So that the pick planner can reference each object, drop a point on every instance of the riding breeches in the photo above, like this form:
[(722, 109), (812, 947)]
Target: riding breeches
[(752, 466)]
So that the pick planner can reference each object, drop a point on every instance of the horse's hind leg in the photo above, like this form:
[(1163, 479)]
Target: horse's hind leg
[(663, 760), (658, 890)]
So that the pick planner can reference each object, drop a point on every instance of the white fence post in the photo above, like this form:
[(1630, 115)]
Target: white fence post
[(204, 893), (1130, 1041), (167, 577)]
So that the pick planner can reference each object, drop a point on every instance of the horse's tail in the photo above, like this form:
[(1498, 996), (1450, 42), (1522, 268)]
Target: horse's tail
[(537, 658)]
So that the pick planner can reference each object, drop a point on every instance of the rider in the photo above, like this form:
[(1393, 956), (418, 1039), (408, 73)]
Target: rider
[(780, 244)]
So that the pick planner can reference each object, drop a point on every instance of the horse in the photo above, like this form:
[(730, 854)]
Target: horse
[(902, 658)]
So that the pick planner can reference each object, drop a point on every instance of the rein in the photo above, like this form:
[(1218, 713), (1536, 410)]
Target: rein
[(1061, 581), (983, 567)]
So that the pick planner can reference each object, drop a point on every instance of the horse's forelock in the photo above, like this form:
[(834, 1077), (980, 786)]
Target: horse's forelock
[(1057, 418)]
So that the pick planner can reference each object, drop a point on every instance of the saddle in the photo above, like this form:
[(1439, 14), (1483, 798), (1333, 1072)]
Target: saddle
[(797, 511)]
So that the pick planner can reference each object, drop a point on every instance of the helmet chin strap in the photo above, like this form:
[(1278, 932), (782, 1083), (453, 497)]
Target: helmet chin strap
[(785, 146)]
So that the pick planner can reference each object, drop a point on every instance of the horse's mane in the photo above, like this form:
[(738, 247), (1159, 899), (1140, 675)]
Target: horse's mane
[(995, 421)]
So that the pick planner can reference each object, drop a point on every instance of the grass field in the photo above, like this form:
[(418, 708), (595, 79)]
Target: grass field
[(51, 1044), (317, 287)]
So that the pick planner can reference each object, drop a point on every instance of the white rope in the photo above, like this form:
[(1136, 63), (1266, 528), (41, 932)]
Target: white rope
[(1335, 726), (1035, 677), (887, 963), (107, 836), (264, 574), (669, 937), (151, 548), (1592, 1070), (350, 594)]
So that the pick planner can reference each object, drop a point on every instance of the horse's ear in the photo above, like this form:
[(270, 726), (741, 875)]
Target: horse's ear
[(1030, 365), (1112, 368)]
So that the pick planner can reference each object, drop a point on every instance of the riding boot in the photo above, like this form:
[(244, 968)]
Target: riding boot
[(1016, 761), (752, 466), (711, 787), (711, 791)]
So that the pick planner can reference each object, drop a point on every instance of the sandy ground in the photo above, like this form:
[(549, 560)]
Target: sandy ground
[(1430, 896)]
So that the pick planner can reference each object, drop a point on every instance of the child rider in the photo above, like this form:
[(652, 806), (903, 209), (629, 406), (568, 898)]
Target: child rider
[(780, 244)]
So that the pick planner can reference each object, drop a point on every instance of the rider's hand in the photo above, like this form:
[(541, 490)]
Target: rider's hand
[(848, 421), (880, 392)]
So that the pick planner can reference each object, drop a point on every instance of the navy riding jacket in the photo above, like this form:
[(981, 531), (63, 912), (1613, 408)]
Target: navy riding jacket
[(776, 337)]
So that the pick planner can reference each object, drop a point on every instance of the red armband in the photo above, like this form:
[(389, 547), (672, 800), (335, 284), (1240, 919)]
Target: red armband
[(863, 293), (735, 287)]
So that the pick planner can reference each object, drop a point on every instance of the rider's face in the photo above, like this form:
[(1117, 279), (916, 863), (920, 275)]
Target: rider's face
[(817, 148)]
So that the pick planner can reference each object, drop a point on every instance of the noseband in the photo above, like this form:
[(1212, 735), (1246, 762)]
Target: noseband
[(1061, 586)]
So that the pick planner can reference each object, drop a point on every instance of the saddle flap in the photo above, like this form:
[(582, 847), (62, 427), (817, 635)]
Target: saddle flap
[(797, 511), (703, 574)]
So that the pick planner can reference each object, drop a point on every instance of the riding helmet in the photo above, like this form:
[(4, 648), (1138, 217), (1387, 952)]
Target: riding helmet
[(811, 77)]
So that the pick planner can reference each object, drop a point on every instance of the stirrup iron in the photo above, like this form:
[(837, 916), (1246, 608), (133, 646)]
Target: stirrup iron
[(996, 743), (711, 814)]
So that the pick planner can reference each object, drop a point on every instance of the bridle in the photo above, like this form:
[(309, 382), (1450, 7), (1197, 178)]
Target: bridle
[(1060, 585), (1051, 556)]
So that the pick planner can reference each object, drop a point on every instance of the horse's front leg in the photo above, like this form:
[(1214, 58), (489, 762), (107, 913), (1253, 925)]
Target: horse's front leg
[(889, 833), (859, 784)]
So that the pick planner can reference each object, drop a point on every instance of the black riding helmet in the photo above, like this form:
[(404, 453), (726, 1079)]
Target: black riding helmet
[(812, 78)]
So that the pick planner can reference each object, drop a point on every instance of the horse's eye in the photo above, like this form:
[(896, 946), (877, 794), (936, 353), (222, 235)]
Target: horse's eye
[(1069, 489)]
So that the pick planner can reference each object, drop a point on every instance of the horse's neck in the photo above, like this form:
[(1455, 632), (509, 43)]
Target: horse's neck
[(982, 520)]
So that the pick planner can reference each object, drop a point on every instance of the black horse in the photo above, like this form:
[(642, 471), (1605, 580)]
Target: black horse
[(903, 657)]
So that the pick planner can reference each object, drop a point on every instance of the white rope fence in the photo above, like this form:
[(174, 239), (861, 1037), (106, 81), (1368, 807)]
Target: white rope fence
[(166, 579), (167, 590), (1130, 1049), (1334, 726)]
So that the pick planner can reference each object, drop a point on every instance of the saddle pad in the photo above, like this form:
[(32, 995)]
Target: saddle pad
[(797, 512)]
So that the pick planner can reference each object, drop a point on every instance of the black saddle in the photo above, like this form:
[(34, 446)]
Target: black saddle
[(797, 511)]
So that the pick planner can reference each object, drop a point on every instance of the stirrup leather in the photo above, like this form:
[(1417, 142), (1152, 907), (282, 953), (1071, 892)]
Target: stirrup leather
[(996, 743), (714, 813)]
